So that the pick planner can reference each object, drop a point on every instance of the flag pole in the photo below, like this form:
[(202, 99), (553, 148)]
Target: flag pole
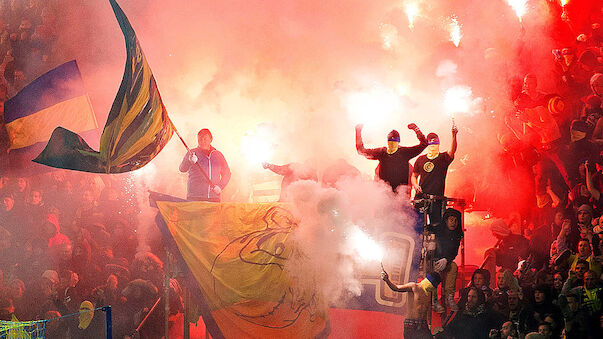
[(189, 150)]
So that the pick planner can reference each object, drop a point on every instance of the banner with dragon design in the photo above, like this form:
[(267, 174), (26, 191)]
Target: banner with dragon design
[(237, 254)]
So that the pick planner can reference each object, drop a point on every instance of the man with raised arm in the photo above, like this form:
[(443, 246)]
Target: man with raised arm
[(429, 173), (393, 160), (415, 324)]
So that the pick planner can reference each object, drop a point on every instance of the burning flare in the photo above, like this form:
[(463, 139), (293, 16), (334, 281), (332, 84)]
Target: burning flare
[(362, 244), (457, 99), (455, 31), (257, 146), (519, 6), (412, 11), (373, 106)]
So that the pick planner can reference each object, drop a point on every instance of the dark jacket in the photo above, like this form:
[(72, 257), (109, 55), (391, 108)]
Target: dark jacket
[(447, 241), (393, 168), (471, 324), (510, 250)]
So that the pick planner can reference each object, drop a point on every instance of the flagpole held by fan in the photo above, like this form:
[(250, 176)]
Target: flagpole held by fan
[(189, 150)]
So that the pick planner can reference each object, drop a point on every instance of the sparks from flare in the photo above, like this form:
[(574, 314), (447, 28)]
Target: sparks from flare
[(389, 36), (455, 31), (519, 6), (412, 11), (257, 146), (457, 99), (373, 106), (362, 244)]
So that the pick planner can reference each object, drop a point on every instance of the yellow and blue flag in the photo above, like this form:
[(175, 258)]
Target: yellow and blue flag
[(58, 96), (237, 256), (137, 127)]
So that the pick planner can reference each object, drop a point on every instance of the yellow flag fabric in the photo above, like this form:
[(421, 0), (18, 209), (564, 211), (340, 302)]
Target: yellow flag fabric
[(137, 127), (237, 254)]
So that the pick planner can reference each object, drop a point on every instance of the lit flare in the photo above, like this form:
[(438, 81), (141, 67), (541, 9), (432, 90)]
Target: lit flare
[(257, 146), (455, 31), (519, 6), (412, 11), (457, 99), (362, 244)]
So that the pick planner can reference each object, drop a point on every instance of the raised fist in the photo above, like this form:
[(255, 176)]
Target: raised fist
[(413, 126), (359, 127), (265, 165)]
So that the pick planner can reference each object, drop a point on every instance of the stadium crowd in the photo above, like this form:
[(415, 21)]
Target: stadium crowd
[(543, 277), (69, 240)]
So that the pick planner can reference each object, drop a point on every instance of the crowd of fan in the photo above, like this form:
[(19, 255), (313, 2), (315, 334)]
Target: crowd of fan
[(27, 36), (543, 277), (27, 45), (74, 245)]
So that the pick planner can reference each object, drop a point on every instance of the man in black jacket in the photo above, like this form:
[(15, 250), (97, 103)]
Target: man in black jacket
[(448, 235), (393, 160)]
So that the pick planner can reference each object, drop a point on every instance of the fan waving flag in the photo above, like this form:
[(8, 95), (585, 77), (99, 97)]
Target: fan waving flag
[(238, 257), (56, 97), (137, 127)]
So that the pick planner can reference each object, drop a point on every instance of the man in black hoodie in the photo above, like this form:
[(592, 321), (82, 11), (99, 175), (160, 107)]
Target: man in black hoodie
[(448, 235)]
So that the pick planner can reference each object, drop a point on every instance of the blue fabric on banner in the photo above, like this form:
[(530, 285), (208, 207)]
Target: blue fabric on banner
[(57, 85)]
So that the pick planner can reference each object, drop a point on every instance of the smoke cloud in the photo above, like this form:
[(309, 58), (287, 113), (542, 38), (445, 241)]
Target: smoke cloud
[(291, 79)]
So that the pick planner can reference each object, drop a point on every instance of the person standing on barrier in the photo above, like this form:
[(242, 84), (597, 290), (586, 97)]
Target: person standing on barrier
[(393, 165), (205, 158), (448, 235), (429, 173)]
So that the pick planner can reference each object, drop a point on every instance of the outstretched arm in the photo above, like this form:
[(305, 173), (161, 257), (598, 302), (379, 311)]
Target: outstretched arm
[(452, 150), (280, 170), (397, 288)]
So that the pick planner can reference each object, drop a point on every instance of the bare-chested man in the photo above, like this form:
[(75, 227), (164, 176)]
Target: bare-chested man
[(415, 324)]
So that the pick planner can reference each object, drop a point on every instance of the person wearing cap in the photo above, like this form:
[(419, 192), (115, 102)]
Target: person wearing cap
[(415, 323), (205, 158), (393, 160), (429, 173)]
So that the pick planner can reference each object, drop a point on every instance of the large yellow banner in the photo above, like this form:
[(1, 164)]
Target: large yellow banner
[(238, 254)]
